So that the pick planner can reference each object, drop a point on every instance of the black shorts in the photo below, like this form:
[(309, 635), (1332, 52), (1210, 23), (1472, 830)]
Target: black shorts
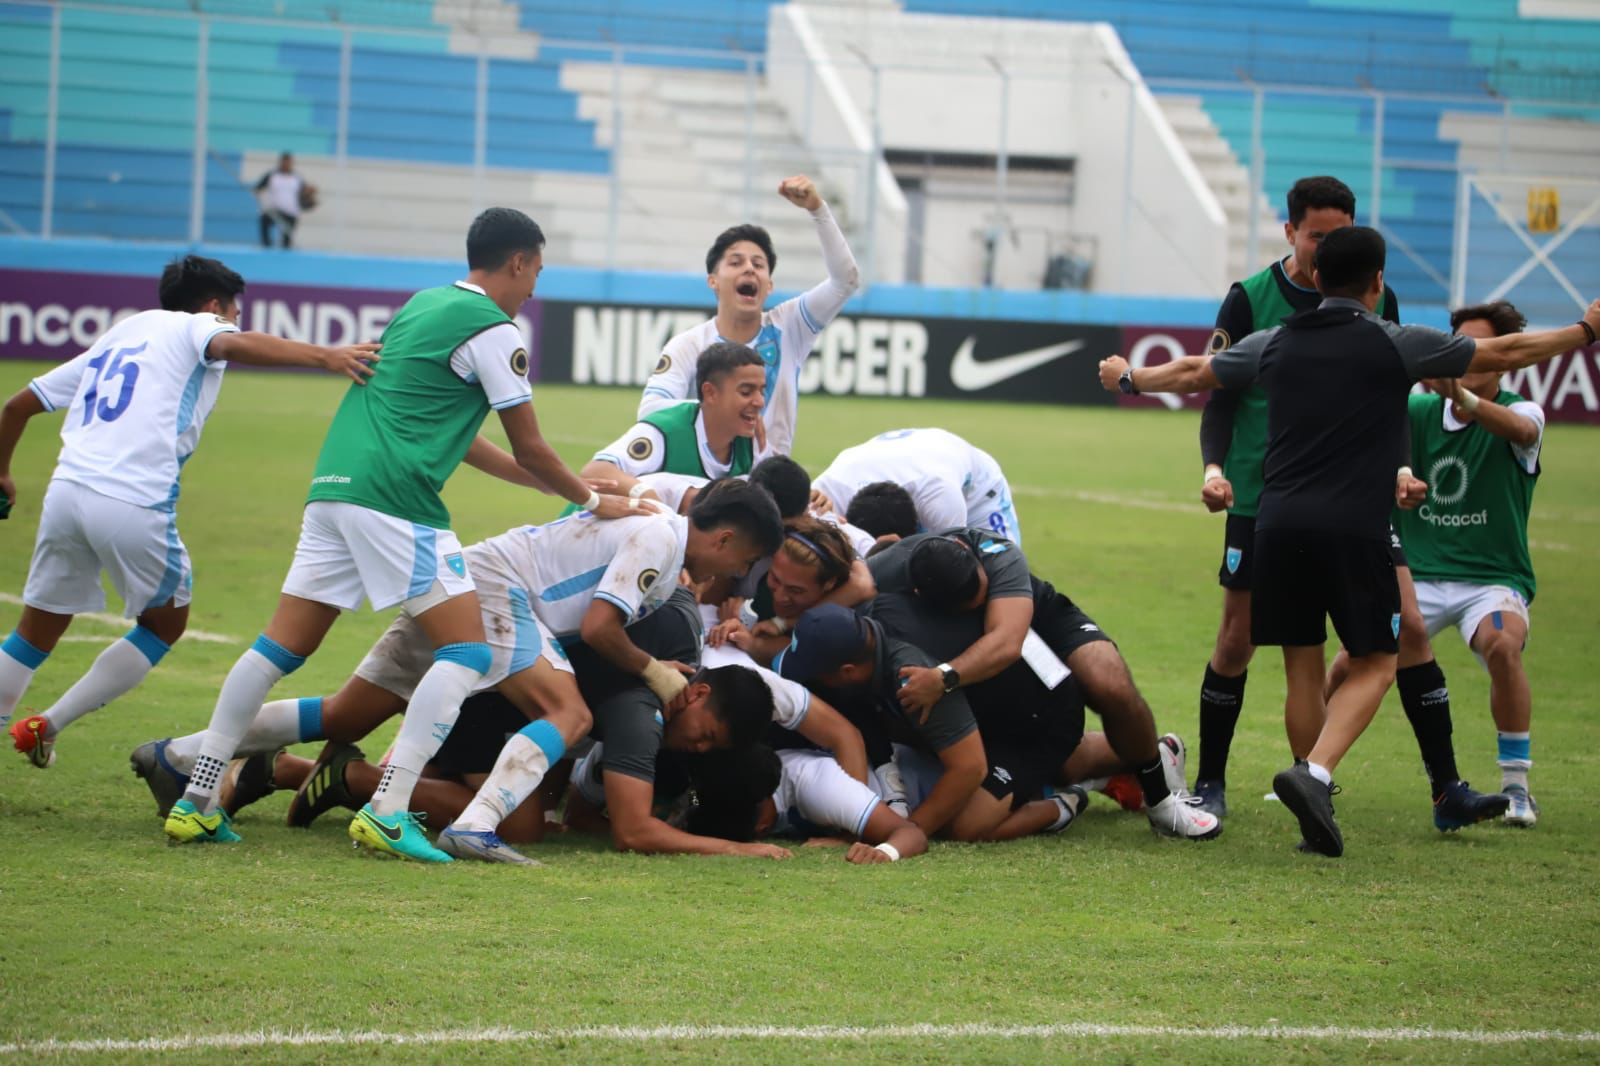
[(1019, 771), (1397, 554), (487, 721), (1304, 577), (1028, 733), (1061, 623), (1238, 552)]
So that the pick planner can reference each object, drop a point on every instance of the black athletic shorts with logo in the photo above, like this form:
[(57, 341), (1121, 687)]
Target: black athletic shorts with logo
[(1304, 577), (1397, 553), (1238, 552)]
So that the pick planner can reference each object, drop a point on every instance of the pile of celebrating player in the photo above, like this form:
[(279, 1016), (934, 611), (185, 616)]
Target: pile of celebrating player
[(711, 649)]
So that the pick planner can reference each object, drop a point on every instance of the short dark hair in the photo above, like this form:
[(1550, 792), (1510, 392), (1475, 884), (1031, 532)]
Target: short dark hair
[(720, 360), (741, 700), (728, 789), (788, 482), (190, 282), (944, 573), (1349, 259), (1502, 316), (498, 234), (1319, 191), (748, 509), (883, 507), (733, 235)]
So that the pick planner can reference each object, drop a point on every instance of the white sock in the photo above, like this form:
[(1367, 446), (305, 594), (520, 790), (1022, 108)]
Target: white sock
[(277, 725), (432, 712), (248, 683), (18, 661), (115, 671), (1515, 759), (517, 772), (1320, 773)]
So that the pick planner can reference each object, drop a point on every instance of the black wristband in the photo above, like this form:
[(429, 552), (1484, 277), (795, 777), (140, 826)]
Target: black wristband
[(1588, 330)]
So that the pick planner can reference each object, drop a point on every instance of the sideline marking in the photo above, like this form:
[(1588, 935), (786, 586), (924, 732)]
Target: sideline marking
[(661, 1033), (117, 620)]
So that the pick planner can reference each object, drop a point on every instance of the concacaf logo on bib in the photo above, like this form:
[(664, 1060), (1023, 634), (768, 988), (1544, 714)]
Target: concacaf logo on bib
[(1440, 473)]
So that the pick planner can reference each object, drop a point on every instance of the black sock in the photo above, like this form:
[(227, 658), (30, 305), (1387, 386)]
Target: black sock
[(1426, 700), (1153, 781), (1220, 701)]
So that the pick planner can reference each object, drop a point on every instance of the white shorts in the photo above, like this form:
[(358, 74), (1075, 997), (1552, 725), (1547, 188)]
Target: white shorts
[(991, 508), (516, 638), (1465, 605), (347, 553), (82, 533)]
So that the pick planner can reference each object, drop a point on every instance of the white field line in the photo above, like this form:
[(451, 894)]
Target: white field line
[(117, 620), (674, 1033)]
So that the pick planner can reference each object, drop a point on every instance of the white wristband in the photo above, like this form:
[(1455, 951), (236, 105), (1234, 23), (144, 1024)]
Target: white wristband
[(1212, 474), (1404, 471), (780, 624), (592, 502), (639, 489), (889, 850), (1469, 401)]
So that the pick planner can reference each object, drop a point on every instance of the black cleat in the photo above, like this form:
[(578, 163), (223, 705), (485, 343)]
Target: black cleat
[(324, 787), (1458, 806), (247, 780), (1213, 797), (1312, 803), (149, 761)]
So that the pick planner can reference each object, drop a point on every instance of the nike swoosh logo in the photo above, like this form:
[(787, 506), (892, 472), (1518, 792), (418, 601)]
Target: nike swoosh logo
[(969, 375), (393, 834)]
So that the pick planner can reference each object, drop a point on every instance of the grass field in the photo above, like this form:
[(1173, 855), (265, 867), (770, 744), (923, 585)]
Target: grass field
[(1132, 947)]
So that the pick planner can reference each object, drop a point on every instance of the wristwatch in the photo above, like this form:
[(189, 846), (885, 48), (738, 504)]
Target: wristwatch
[(952, 680), (1125, 383)]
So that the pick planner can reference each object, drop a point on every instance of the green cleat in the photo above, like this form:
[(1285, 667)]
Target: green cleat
[(400, 834), (186, 825)]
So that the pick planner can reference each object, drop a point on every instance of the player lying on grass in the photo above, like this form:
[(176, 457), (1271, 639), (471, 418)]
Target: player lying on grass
[(576, 577), (1020, 623), (951, 482), (375, 527), (755, 792), (739, 269), (964, 790), (716, 710), (711, 439), (1336, 380), (135, 405)]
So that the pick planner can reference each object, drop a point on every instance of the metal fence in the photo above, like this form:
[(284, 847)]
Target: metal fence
[(155, 124)]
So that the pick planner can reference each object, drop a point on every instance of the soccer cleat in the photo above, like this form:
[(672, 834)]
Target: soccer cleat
[(1458, 806), (31, 735), (247, 780), (1181, 816), (1174, 757), (1213, 797), (1310, 801), (324, 787), (166, 784), (1072, 800), (1522, 809), (474, 844), (1124, 788), (186, 825), (399, 834)]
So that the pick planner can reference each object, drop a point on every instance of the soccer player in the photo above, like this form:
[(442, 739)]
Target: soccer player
[(1021, 624), (711, 439), (951, 482), (739, 269), (1336, 380), (539, 587), (1477, 446), (376, 529), (1233, 440), (135, 405)]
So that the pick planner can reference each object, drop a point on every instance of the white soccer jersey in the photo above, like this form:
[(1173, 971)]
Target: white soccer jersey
[(790, 700), (567, 564), (135, 404), (672, 488), (491, 361), (787, 334), (815, 795), (948, 479)]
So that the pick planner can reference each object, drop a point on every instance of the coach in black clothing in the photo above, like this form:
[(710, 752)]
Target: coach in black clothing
[(1336, 379)]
